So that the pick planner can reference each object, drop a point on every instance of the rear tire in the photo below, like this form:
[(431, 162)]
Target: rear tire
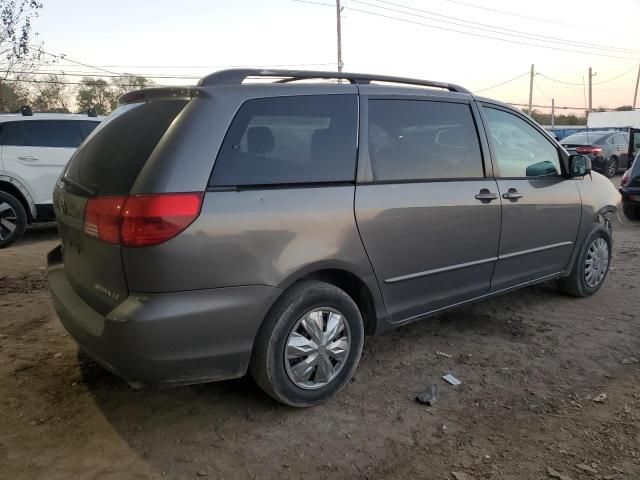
[(13, 219), (591, 266), (289, 338), (631, 211), (611, 167)]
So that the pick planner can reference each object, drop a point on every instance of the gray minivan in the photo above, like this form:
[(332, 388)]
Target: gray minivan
[(268, 226)]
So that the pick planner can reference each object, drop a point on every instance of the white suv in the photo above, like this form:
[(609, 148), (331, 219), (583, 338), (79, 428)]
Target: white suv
[(34, 148)]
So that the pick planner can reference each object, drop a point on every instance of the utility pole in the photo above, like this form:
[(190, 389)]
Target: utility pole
[(553, 112), (339, 29), (590, 89), (635, 94), (531, 90)]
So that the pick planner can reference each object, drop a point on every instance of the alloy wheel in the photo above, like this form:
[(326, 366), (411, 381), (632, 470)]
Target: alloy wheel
[(8, 220), (317, 348)]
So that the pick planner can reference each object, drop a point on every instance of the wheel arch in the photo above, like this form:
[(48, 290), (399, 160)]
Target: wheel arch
[(13, 187), (364, 291)]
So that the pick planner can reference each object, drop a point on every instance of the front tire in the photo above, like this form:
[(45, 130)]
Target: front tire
[(309, 345), (13, 219), (611, 167), (592, 265), (631, 211)]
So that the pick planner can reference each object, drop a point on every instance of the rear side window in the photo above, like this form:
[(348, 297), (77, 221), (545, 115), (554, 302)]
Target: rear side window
[(109, 162), (87, 128), (11, 134), (422, 140), (285, 140), (52, 133)]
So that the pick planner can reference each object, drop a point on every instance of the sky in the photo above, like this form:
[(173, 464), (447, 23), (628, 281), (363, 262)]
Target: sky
[(396, 37)]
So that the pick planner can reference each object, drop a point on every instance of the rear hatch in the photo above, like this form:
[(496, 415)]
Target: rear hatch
[(99, 177)]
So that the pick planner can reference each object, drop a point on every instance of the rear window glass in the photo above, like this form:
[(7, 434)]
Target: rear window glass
[(109, 162), (422, 140), (583, 138), (286, 140)]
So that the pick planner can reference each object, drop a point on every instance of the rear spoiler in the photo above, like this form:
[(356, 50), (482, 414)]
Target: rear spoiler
[(155, 93)]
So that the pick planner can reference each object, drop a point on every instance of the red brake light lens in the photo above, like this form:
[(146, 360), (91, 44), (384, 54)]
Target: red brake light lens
[(102, 218), (140, 220), (588, 150), (153, 219)]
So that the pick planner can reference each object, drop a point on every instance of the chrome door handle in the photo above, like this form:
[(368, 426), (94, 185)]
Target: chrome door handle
[(486, 196), (29, 158), (512, 194)]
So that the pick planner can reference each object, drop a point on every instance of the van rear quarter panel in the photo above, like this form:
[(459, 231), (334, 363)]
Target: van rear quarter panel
[(256, 237)]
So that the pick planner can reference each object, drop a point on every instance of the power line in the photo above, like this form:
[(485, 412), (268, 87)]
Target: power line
[(492, 28), (538, 19), (173, 67), (413, 22), (502, 83), (68, 59), (540, 89), (549, 106), (626, 72), (64, 74), (53, 82)]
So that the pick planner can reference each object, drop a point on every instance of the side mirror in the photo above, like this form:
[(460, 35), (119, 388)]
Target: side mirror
[(579, 165), (541, 169)]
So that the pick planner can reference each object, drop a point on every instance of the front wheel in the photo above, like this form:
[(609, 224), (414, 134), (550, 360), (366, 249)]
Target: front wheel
[(592, 265), (309, 346), (13, 219), (611, 167)]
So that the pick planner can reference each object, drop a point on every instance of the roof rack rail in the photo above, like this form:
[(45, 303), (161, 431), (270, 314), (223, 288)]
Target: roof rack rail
[(236, 76)]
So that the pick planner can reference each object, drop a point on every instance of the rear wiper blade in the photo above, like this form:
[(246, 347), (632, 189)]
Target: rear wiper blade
[(77, 185)]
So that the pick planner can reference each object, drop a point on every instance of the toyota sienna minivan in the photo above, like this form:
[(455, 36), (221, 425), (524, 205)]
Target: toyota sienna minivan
[(266, 227)]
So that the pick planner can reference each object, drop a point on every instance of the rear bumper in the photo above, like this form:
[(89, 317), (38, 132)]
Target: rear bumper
[(630, 195), (166, 338)]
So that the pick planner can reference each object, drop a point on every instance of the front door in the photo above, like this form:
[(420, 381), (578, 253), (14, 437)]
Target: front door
[(540, 208), (430, 217)]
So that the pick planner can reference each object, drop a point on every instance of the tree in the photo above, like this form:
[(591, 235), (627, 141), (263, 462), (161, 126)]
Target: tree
[(17, 52), (51, 96), (97, 93), (124, 84), (12, 96), (94, 93), (16, 37), (624, 108)]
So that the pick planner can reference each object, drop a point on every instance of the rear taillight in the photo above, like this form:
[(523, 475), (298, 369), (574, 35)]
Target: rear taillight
[(102, 218), (140, 220), (625, 178), (588, 150)]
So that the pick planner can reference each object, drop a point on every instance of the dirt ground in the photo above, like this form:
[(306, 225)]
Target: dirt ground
[(532, 363)]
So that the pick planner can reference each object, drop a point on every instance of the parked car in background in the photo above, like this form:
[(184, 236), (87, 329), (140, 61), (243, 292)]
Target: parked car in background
[(266, 227), (630, 191), (34, 149), (608, 150)]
